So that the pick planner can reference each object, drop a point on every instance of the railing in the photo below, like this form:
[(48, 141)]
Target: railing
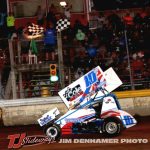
[(43, 87)]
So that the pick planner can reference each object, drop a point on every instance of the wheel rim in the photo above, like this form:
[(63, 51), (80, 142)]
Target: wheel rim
[(111, 127), (52, 132)]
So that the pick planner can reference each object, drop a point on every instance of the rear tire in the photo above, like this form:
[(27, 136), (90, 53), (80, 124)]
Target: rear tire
[(53, 131), (112, 127)]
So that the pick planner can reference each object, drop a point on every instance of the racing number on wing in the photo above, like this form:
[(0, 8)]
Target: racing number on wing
[(90, 79), (128, 120)]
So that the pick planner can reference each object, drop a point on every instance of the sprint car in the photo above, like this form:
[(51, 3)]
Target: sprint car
[(92, 108), (102, 115)]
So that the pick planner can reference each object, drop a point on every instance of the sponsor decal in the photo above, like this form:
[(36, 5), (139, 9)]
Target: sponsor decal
[(20, 140), (128, 120), (73, 93), (45, 120)]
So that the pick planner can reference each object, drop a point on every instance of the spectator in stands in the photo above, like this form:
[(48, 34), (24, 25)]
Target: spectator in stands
[(137, 19), (143, 13), (115, 21), (80, 36), (137, 66), (77, 26), (102, 51), (10, 24), (79, 73), (101, 20), (128, 20), (50, 41), (138, 53)]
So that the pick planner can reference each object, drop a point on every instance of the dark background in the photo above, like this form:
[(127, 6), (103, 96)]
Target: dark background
[(103, 4), (119, 4), (3, 6)]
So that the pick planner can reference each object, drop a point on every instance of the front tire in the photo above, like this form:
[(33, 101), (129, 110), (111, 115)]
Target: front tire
[(112, 127), (53, 131)]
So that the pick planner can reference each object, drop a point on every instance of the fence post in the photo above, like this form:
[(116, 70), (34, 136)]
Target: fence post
[(12, 73), (19, 51), (129, 63), (60, 60)]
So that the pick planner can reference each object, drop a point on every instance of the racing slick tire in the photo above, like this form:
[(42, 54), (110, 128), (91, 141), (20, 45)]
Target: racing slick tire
[(53, 131), (112, 127)]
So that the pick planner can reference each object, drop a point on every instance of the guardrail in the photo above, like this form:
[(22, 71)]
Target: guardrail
[(133, 94), (27, 111)]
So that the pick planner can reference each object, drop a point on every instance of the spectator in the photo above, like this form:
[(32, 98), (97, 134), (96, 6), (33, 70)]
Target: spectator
[(79, 73), (101, 20), (143, 13), (114, 21), (137, 19), (50, 41), (78, 26), (80, 36), (137, 66), (102, 51), (128, 20)]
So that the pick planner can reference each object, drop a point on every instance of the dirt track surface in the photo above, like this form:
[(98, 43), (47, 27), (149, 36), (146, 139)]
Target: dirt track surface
[(132, 135)]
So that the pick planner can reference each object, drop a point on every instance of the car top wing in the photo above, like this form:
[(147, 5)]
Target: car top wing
[(88, 85)]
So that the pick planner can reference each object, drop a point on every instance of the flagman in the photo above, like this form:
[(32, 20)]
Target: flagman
[(49, 41)]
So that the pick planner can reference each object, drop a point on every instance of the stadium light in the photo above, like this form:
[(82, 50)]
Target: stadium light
[(63, 3)]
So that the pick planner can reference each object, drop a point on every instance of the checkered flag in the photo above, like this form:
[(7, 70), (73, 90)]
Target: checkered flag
[(62, 24), (35, 29)]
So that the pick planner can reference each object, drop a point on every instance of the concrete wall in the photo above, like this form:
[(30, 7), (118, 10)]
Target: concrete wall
[(25, 115), (139, 105), (27, 111)]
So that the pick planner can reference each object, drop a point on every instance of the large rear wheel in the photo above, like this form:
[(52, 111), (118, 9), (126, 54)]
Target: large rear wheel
[(112, 127)]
